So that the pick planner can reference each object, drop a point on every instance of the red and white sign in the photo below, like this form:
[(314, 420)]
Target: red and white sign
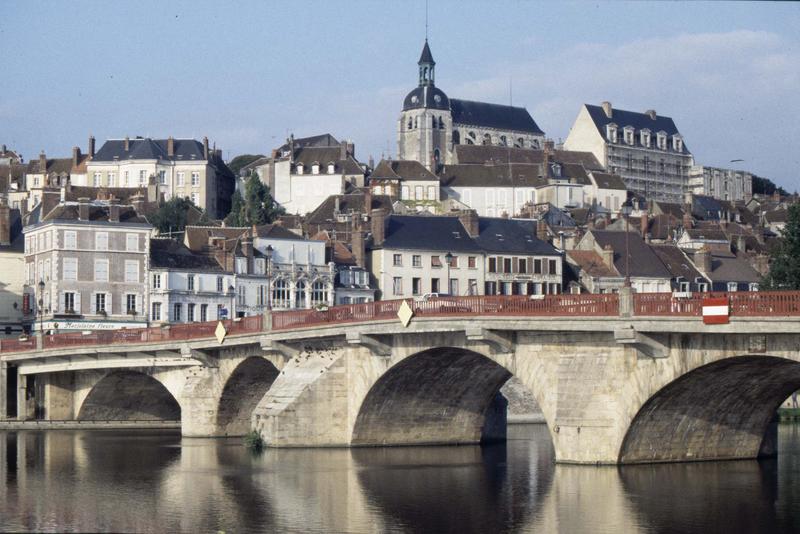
[(716, 310)]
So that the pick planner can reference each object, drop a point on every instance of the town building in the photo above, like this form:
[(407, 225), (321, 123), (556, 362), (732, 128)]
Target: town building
[(726, 270), (407, 181), (86, 267), (12, 265), (337, 214), (645, 149), (183, 168), (722, 184), (8, 156), (431, 124), (461, 255)]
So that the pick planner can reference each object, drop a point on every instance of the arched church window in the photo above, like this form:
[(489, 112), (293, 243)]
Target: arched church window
[(471, 135), (410, 123), (487, 139), (425, 73), (503, 141), (456, 137), (300, 294), (520, 142), (416, 122), (433, 122), (441, 124)]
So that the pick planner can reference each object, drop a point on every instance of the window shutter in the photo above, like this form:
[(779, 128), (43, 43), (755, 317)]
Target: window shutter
[(94, 304), (109, 309), (78, 302)]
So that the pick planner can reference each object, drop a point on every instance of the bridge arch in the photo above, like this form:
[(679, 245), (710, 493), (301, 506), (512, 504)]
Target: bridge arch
[(244, 388), (126, 395), (720, 410), (438, 395)]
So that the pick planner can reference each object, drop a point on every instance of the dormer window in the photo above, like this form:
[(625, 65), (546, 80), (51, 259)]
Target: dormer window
[(677, 143), (611, 132), (629, 135), (662, 140), (556, 169), (299, 168), (644, 138), (331, 168), (315, 168)]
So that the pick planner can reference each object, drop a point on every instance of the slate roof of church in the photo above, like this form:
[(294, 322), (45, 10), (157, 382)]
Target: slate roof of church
[(496, 116), (146, 148), (480, 154), (639, 121)]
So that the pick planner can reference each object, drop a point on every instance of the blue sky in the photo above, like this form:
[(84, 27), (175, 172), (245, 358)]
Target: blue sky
[(247, 73)]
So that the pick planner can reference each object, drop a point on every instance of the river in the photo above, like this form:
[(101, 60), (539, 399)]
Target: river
[(154, 481)]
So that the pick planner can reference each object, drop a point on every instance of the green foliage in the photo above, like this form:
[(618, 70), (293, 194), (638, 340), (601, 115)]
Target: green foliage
[(784, 271), (765, 186), (238, 162), (172, 215), (256, 206), (253, 441)]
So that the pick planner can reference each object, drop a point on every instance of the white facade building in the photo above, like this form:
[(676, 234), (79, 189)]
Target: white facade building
[(722, 184)]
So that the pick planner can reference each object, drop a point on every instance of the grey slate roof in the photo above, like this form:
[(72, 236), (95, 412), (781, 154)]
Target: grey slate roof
[(516, 175), (68, 211), (643, 261), (146, 148), (426, 96), (496, 116), (169, 254), (480, 154), (608, 181), (350, 203), (639, 121), (407, 170), (676, 262), (418, 232), (321, 140), (323, 156), (426, 56)]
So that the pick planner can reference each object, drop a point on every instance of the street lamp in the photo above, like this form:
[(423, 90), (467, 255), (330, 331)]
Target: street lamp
[(626, 210), (231, 289), (448, 259), (268, 253), (41, 305)]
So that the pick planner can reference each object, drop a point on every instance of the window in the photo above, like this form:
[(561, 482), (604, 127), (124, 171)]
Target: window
[(416, 286), (684, 287), (471, 262), (69, 302), (280, 294), (507, 265), (156, 315), (157, 281), (99, 302), (241, 296), (190, 282), (453, 286), (126, 178), (377, 190), (220, 307), (315, 168), (418, 193), (130, 304), (190, 312), (522, 266), (473, 287), (142, 177), (397, 286), (397, 260), (112, 179), (195, 178), (537, 266), (331, 168), (131, 271), (101, 241), (454, 262), (431, 192), (196, 199), (131, 242), (220, 284), (490, 288), (416, 260), (47, 271), (70, 240), (553, 269), (262, 295), (101, 270), (405, 193), (96, 179), (181, 178), (492, 265), (260, 266), (733, 286), (753, 286), (434, 285), (436, 262), (177, 308), (70, 269), (318, 295), (162, 177), (299, 168), (203, 313)]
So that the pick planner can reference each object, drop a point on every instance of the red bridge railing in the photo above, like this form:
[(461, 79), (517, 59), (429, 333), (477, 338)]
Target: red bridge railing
[(744, 304)]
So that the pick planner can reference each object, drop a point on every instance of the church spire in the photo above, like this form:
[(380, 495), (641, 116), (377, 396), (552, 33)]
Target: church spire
[(426, 65)]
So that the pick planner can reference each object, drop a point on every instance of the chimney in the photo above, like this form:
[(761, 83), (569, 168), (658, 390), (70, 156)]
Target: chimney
[(205, 148), (644, 223), (357, 244), (741, 244), (687, 220), (274, 154), (83, 209), (541, 230), (127, 144), (76, 156), (137, 201), (91, 146), (351, 149), (113, 210), (23, 206), (469, 220), (549, 146), (336, 205), (343, 150), (5, 221), (43, 163), (607, 108), (367, 200), (378, 228), (608, 256), (776, 196), (651, 113), (247, 250), (702, 260), (171, 147)]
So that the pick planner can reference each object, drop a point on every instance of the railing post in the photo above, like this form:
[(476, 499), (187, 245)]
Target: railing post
[(39, 340), (626, 302), (266, 323)]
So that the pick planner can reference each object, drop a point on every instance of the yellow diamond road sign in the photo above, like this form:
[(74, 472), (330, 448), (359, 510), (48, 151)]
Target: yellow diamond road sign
[(405, 313), (220, 332)]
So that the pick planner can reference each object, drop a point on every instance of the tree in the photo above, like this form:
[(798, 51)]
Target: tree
[(236, 164), (784, 271), (765, 186), (175, 214), (256, 206)]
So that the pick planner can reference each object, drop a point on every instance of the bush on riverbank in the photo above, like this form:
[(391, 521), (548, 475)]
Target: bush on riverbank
[(253, 441)]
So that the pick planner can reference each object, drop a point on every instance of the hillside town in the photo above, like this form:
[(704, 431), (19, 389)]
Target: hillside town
[(478, 201)]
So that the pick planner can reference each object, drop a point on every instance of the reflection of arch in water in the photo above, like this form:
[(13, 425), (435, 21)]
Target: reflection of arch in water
[(721, 410), (440, 395), (246, 386), (129, 395)]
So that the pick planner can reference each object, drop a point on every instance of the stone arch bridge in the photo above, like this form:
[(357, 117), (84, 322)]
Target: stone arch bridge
[(627, 378)]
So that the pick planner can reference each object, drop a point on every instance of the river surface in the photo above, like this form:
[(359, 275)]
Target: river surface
[(154, 481)]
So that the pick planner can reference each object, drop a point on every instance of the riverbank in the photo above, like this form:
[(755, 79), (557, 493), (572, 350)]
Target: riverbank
[(87, 425), (789, 414)]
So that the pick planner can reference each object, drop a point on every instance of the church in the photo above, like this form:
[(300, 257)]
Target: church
[(431, 125)]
